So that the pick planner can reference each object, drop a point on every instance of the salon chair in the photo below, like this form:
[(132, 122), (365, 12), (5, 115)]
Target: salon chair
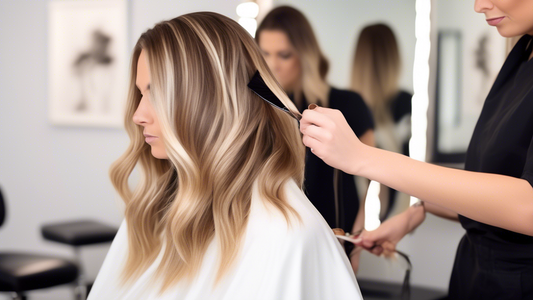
[(77, 234), (22, 272)]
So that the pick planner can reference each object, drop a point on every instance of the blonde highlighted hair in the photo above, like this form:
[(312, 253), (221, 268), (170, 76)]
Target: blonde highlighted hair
[(376, 70), (221, 139), (314, 64)]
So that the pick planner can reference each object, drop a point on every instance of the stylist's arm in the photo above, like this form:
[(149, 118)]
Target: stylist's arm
[(494, 199)]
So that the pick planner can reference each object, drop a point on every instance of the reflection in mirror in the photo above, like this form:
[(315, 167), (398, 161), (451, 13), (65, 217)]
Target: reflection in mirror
[(337, 26)]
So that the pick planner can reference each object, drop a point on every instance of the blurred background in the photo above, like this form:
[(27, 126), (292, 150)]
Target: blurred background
[(54, 157)]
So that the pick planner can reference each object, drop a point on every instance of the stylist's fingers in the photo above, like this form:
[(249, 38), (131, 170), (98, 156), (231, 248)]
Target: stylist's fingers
[(310, 142), (377, 242), (370, 238), (315, 117), (377, 250), (372, 242), (315, 145), (337, 142), (322, 117), (388, 249), (318, 133), (326, 111)]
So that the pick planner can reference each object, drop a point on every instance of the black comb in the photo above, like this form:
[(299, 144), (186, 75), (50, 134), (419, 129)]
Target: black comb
[(259, 87)]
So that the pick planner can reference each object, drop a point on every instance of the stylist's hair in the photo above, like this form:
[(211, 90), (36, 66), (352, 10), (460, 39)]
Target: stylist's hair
[(222, 142), (376, 69), (314, 64)]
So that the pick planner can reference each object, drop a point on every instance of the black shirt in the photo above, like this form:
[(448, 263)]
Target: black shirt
[(318, 184), (401, 106), (502, 142)]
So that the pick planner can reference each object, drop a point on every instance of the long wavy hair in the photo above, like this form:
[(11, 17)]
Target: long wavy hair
[(222, 143), (376, 69), (314, 64)]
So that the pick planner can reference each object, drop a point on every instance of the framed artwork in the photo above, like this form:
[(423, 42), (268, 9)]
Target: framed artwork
[(87, 62)]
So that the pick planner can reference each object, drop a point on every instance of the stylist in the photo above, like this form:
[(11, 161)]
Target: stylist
[(492, 197), (292, 52)]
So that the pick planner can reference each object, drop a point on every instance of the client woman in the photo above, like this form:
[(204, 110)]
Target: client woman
[(218, 212)]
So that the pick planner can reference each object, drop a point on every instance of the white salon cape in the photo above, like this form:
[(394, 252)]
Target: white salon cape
[(275, 262)]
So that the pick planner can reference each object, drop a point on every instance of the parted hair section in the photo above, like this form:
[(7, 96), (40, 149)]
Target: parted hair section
[(222, 142)]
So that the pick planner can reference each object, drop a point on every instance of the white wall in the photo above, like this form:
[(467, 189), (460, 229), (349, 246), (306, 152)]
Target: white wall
[(337, 24), (51, 173)]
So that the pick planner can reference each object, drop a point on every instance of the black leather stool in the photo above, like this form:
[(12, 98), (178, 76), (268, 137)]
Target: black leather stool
[(21, 272), (77, 234)]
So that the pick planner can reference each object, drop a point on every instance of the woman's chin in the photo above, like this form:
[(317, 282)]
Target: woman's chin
[(508, 32), (159, 154)]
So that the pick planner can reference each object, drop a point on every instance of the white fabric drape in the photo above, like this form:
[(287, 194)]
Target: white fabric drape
[(276, 262)]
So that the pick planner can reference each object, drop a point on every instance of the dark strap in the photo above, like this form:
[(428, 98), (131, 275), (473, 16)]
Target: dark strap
[(406, 286), (339, 199)]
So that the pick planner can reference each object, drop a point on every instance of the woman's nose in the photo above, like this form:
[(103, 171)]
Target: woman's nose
[(142, 115), (482, 6)]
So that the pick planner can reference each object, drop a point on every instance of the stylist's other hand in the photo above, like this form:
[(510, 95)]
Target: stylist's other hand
[(384, 239), (330, 138)]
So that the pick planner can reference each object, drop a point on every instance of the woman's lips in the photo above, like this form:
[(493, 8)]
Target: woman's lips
[(149, 138), (494, 21)]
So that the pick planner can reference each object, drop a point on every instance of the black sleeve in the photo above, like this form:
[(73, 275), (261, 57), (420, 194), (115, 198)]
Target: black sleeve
[(401, 106), (354, 109), (527, 174)]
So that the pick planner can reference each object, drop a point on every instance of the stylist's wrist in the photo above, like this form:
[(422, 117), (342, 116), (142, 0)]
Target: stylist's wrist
[(417, 215), (361, 161)]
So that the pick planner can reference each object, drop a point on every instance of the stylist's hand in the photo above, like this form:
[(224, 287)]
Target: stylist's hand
[(385, 236), (330, 138), (384, 239)]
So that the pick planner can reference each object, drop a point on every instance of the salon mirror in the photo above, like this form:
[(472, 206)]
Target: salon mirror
[(337, 25), (469, 55)]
